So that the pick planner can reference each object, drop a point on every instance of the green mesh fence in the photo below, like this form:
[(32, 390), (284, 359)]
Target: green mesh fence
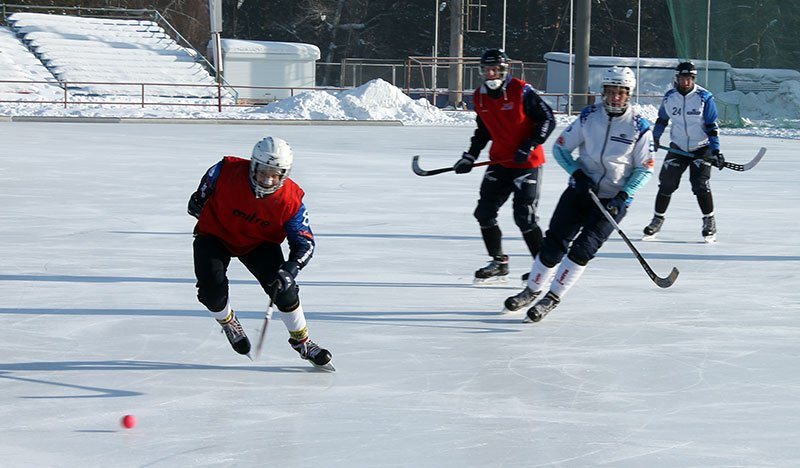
[(759, 39), (743, 33)]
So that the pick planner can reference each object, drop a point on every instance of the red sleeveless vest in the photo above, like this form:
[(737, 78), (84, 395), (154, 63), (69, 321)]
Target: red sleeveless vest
[(241, 221), (509, 126)]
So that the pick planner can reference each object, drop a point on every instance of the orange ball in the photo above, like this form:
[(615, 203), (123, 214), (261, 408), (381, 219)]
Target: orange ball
[(128, 421)]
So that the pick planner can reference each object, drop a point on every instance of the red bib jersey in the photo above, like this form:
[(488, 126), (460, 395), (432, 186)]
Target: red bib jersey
[(241, 221), (508, 125)]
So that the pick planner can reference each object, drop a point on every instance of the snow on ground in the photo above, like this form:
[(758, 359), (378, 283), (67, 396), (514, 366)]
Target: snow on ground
[(375, 100), (378, 100)]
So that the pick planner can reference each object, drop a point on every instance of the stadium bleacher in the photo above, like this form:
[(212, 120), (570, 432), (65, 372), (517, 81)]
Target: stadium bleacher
[(113, 57), (17, 64)]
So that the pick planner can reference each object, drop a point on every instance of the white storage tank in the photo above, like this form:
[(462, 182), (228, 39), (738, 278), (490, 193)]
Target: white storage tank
[(262, 63)]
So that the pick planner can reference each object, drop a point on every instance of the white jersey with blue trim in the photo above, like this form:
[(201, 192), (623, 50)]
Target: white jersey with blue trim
[(616, 152), (693, 117)]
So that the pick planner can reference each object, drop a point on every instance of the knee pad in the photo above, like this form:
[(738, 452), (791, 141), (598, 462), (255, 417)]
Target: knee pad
[(486, 216), (524, 220), (549, 261), (289, 300), (214, 299), (578, 258), (667, 187), (581, 253), (699, 187)]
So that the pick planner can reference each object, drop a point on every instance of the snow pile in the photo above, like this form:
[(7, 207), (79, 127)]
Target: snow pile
[(784, 103), (374, 100), (310, 105)]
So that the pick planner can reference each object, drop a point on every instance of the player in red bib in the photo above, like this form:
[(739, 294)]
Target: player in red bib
[(514, 117), (246, 209)]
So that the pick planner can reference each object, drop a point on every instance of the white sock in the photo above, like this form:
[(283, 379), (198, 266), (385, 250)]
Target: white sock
[(222, 314), (295, 322), (540, 275), (566, 277)]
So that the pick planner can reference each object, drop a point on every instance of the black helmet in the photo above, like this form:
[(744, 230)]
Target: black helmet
[(686, 68), (494, 57)]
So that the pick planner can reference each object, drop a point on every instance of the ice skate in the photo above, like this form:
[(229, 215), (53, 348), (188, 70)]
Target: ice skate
[(518, 301), (496, 272), (652, 229), (709, 229), (235, 333), (542, 308), (311, 352)]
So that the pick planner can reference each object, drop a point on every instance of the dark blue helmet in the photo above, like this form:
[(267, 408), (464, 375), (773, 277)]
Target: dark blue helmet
[(494, 57), (686, 68)]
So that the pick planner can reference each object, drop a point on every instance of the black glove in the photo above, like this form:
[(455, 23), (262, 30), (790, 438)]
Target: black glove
[(657, 143), (284, 277), (195, 206), (583, 183), (464, 165), (522, 154), (717, 159), (617, 204)]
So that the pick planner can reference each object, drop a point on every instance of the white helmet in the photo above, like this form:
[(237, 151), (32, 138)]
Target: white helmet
[(270, 155), (622, 77)]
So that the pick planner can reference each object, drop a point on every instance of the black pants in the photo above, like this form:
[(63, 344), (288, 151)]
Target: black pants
[(669, 179), (578, 227), (498, 184), (211, 261)]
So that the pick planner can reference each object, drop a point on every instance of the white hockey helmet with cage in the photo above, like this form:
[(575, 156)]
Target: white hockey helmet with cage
[(271, 157), (622, 77)]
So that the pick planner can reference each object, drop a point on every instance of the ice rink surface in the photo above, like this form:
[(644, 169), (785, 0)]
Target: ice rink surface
[(100, 317)]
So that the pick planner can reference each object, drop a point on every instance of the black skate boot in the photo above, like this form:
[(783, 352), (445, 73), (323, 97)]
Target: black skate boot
[(655, 225), (542, 308), (311, 352), (709, 229), (523, 299), (235, 333), (495, 272)]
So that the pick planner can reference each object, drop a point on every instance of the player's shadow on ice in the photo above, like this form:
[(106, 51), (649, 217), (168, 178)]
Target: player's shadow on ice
[(457, 320), (192, 281), (9, 371)]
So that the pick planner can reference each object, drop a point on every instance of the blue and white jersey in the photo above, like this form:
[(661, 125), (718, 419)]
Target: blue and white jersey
[(616, 152), (694, 119)]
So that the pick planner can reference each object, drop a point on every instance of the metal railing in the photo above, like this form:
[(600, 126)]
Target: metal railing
[(77, 92), (74, 93)]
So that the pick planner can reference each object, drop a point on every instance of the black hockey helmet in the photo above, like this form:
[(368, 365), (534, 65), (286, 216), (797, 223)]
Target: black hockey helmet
[(494, 57), (686, 68)]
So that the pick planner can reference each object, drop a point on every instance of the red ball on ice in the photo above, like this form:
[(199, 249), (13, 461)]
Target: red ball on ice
[(128, 421)]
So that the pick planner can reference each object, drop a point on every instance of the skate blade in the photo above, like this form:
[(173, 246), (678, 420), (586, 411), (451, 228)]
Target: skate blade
[(530, 320), (490, 281), (325, 367), (649, 238), (710, 239)]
